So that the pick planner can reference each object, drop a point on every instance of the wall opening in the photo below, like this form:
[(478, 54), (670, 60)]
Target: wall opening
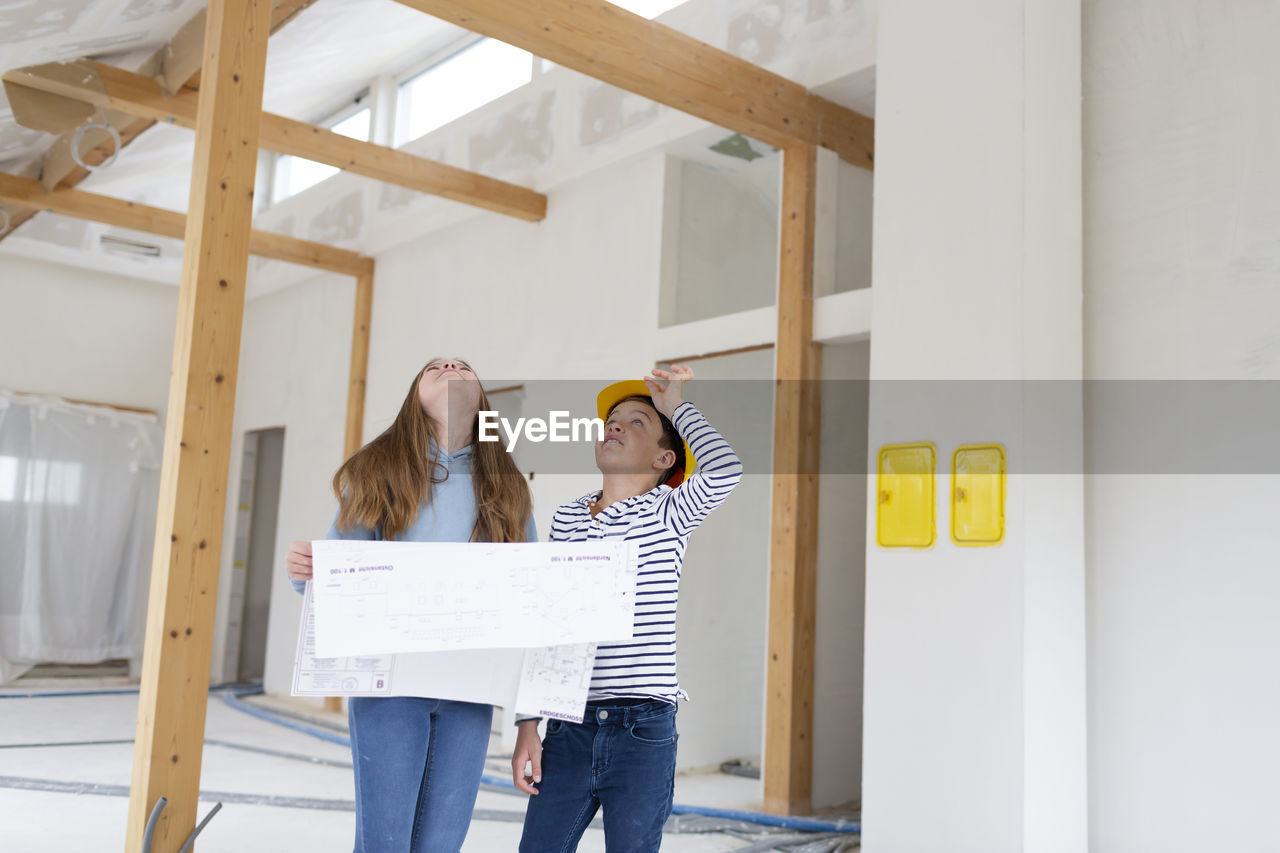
[(255, 554)]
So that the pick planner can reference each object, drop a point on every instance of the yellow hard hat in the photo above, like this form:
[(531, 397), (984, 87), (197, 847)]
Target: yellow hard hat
[(619, 391)]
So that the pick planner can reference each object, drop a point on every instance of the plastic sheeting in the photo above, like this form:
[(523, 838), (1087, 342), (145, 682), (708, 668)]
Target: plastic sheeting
[(78, 492)]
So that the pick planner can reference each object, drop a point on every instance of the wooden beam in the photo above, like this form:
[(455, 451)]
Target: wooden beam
[(115, 89), (286, 136), (359, 365), (174, 690), (793, 554), (642, 56), (29, 194), (356, 386), (720, 353), (307, 253), (283, 12)]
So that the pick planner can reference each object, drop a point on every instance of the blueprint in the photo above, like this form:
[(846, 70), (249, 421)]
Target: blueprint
[(554, 681), (546, 682), (378, 598)]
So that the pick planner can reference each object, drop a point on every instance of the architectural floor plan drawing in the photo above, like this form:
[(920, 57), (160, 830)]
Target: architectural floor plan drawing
[(375, 598), (555, 680), (550, 681)]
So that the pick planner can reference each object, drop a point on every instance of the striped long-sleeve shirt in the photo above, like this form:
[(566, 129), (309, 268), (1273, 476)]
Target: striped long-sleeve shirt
[(661, 521)]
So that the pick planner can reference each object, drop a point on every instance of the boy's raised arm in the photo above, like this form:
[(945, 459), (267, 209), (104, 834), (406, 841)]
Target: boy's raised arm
[(718, 471)]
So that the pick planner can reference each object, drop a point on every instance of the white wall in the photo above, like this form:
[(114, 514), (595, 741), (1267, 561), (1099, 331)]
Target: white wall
[(85, 335), (842, 573), (974, 711), (725, 233), (1182, 120), (724, 590)]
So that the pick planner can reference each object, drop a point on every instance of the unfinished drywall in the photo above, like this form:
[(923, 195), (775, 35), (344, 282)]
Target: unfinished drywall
[(841, 590), (854, 197), (339, 223), (1182, 118), (722, 238), (974, 710), (724, 590), (608, 112), (85, 335), (518, 140)]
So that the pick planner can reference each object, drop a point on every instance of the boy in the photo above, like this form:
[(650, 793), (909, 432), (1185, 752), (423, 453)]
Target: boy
[(622, 757)]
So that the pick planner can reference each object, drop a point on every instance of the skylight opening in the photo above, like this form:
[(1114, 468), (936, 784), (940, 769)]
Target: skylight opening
[(465, 81)]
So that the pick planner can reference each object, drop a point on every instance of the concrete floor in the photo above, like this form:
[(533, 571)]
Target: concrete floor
[(65, 764)]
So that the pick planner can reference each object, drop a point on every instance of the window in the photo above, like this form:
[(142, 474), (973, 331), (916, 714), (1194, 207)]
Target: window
[(454, 87), (292, 174), (50, 481), (8, 478)]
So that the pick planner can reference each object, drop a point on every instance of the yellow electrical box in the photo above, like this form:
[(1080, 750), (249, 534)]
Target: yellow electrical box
[(977, 494), (905, 515)]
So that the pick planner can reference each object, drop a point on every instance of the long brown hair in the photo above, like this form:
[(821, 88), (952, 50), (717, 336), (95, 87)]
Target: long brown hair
[(383, 483)]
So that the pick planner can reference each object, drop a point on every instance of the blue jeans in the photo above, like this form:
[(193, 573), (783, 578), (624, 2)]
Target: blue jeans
[(621, 758), (417, 764)]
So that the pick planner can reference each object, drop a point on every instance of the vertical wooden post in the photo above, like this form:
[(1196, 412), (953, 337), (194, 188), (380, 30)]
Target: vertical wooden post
[(359, 363), (356, 388), (788, 752), (202, 391)]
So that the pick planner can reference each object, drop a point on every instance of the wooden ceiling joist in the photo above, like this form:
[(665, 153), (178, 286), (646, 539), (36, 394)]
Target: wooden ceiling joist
[(626, 50), (30, 195), (55, 165), (115, 89)]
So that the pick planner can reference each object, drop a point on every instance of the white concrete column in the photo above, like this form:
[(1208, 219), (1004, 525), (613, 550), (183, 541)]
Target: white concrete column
[(974, 732)]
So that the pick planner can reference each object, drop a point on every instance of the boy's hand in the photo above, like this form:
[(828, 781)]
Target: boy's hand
[(298, 561), (528, 751), (666, 388)]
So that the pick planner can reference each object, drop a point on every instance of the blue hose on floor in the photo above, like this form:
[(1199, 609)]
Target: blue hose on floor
[(232, 698), (232, 695), (804, 824)]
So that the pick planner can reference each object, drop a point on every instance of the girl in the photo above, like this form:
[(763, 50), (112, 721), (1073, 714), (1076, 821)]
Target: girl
[(428, 478)]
